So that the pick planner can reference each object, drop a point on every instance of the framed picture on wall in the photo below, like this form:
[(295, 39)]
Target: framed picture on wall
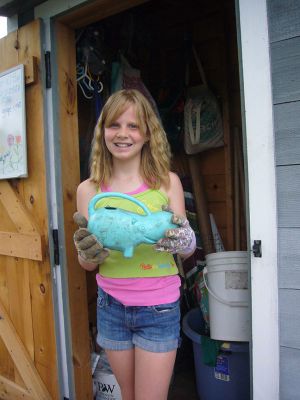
[(13, 152)]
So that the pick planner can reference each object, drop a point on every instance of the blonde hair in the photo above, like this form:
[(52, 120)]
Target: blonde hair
[(155, 158)]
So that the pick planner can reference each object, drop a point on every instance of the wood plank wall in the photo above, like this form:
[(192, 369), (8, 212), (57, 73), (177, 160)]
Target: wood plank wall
[(284, 28), (214, 36)]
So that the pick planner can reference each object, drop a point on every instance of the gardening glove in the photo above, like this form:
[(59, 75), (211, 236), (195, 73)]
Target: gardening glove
[(178, 240), (88, 247)]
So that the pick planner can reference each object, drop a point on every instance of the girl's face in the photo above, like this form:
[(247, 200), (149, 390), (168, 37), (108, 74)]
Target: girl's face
[(123, 137)]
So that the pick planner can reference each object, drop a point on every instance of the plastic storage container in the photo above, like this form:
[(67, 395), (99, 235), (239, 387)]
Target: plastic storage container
[(230, 379)]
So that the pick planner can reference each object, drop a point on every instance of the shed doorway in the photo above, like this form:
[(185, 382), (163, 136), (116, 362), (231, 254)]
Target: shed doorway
[(154, 38)]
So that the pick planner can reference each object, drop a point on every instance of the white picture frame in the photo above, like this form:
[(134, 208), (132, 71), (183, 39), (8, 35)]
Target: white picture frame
[(13, 148)]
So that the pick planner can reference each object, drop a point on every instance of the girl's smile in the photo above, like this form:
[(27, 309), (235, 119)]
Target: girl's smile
[(123, 137)]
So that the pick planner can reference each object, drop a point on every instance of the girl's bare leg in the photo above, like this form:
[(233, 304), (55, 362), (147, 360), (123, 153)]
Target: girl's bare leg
[(153, 372), (122, 364)]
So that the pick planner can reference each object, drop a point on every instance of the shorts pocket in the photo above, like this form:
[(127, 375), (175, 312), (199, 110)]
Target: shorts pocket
[(166, 308), (102, 299)]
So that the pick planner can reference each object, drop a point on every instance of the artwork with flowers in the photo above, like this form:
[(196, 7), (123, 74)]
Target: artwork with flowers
[(13, 155)]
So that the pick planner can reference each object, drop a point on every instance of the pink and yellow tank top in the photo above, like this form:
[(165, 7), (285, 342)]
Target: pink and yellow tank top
[(146, 262)]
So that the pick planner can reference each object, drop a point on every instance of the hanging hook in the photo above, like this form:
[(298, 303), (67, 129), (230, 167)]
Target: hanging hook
[(83, 91), (86, 81)]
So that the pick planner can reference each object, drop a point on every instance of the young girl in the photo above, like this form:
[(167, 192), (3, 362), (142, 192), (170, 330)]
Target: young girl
[(138, 315)]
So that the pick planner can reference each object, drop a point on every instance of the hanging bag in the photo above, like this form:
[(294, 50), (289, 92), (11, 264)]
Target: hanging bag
[(203, 127), (124, 76)]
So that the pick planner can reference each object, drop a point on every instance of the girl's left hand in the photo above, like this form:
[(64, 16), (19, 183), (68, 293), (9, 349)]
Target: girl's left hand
[(178, 240)]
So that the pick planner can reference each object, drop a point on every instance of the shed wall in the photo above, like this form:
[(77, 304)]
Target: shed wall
[(284, 33)]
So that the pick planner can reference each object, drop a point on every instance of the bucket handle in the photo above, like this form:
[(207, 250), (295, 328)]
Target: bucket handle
[(228, 303)]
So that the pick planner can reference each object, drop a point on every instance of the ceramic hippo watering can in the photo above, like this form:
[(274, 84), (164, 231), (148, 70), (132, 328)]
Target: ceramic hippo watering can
[(122, 230)]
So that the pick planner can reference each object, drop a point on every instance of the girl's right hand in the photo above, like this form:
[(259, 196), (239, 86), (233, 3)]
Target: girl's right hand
[(89, 249)]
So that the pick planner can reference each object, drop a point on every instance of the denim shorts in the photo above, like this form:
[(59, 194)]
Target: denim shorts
[(152, 328)]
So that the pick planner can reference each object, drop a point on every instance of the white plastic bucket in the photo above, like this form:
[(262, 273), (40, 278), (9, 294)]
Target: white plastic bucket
[(226, 279)]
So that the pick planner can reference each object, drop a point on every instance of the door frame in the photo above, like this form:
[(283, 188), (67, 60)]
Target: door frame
[(259, 149), (259, 152)]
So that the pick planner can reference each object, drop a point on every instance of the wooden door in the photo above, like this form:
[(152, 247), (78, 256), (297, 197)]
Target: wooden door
[(28, 356)]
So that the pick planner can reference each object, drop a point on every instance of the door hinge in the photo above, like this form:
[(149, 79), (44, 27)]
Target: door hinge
[(55, 246), (256, 248), (48, 69)]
